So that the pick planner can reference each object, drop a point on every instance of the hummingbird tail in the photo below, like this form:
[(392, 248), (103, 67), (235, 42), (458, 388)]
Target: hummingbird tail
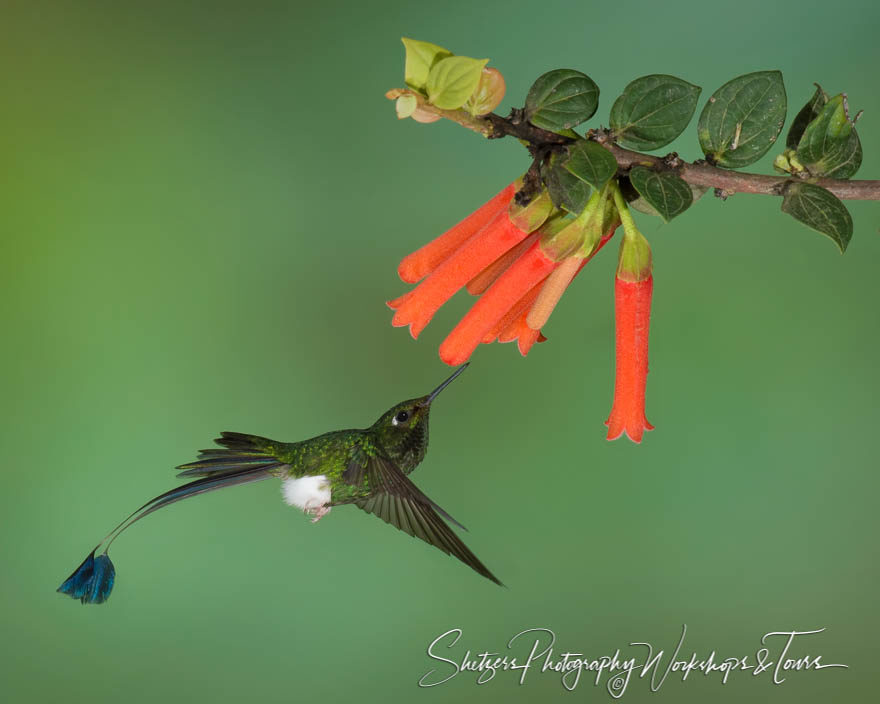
[(241, 452), (93, 580)]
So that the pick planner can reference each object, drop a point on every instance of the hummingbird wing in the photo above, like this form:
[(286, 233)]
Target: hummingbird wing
[(357, 469), (396, 500)]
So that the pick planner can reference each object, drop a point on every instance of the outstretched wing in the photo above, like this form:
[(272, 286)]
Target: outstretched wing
[(396, 500)]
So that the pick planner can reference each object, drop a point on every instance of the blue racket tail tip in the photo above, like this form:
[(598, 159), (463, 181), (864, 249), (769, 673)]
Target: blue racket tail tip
[(92, 581)]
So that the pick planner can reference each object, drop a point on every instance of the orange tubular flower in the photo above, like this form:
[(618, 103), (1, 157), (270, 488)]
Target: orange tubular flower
[(633, 288), (632, 306), (422, 262)]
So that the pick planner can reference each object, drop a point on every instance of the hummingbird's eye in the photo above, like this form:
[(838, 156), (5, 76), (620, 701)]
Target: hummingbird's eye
[(401, 417)]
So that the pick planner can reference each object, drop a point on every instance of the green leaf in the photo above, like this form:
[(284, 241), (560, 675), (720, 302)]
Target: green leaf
[(566, 190), (830, 145), (807, 114), (452, 80), (665, 192), (561, 99), (642, 206), (653, 111), (420, 57), (742, 119), (591, 163), (820, 210)]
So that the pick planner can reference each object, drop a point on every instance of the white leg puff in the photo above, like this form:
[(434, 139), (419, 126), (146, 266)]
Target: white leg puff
[(311, 494)]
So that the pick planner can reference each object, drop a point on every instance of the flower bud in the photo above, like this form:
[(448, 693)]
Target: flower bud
[(488, 94)]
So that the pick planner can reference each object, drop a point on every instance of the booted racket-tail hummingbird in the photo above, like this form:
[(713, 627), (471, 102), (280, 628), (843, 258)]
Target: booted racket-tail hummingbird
[(367, 468)]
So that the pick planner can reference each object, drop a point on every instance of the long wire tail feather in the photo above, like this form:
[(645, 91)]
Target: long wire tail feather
[(93, 580), (221, 480)]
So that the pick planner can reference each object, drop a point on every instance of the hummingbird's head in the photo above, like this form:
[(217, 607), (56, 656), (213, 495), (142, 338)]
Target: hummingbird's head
[(403, 429)]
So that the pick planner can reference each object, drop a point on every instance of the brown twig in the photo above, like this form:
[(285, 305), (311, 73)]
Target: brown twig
[(698, 173)]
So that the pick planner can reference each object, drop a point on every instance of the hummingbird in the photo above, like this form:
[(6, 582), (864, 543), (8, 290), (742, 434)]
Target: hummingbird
[(368, 468)]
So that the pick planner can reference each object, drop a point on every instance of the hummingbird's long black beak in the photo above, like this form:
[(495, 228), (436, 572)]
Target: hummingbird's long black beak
[(446, 383)]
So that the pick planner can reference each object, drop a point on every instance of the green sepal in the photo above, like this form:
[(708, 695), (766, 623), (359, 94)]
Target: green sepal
[(805, 116), (666, 192), (558, 243), (566, 190), (561, 99), (652, 111), (603, 220), (451, 81), (634, 260), (819, 209), (420, 58), (590, 162), (610, 216), (532, 215), (581, 235), (830, 144), (557, 222), (742, 119)]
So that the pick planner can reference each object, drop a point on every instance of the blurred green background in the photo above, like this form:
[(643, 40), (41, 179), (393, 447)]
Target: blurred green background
[(202, 209)]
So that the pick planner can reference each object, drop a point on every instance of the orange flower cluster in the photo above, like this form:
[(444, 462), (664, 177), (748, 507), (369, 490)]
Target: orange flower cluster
[(519, 260)]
